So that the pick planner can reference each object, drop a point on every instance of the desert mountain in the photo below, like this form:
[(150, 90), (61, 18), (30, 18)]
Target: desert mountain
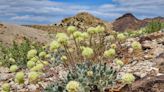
[(82, 21), (11, 32), (127, 21)]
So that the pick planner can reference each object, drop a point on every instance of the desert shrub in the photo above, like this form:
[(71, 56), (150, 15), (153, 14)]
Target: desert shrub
[(87, 57), (153, 26), (16, 54)]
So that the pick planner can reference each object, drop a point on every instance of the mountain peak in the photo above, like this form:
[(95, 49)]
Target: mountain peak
[(82, 21), (127, 15), (126, 22)]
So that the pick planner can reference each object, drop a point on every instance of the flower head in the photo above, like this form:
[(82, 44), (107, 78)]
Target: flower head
[(91, 30), (73, 86), (87, 52), (30, 64), (114, 46), (52, 59), (119, 62), (54, 45), (31, 53), (77, 34), (42, 54), (128, 78), (6, 87), (13, 68), (110, 53), (89, 73), (85, 35), (38, 67), (71, 29), (12, 60), (136, 45), (121, 37), (99, 29), (34, 59), (19, 78), (63, 58), (33, 76), (62, 38)]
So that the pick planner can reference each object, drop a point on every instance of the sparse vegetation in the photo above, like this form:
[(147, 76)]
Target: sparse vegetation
[(153, 26), (16, 54), (90, 61)]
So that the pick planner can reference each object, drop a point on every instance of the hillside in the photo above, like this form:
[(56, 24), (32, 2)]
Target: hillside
[(48, 28), (12, 32), (84, 20), (128, 21)]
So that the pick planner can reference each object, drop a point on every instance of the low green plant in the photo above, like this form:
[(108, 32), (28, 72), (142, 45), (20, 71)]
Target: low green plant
[(17, 53), (89, 76)]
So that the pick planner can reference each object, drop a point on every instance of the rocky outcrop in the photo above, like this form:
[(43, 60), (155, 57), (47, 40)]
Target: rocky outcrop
[(82, 21)]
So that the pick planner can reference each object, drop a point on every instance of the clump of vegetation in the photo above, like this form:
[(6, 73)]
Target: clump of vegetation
[(86, 55), (17, 53), (153, 26), (88, 76), (5, 87)]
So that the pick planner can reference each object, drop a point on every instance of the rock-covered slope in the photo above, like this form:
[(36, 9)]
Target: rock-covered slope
[(83, 20)]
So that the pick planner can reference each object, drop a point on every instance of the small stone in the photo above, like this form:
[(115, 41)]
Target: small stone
[(148, 57)]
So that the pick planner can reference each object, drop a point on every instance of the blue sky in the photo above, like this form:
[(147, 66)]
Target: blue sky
[(53, 11)]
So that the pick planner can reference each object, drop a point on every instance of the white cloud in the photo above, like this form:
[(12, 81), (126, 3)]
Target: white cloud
[(44, 11)]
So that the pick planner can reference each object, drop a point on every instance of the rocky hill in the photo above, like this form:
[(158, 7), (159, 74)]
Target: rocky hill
[(128, 21), (11, 32), (83, 20)]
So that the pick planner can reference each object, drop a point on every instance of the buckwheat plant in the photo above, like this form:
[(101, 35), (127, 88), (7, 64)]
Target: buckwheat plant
[(88, 57)]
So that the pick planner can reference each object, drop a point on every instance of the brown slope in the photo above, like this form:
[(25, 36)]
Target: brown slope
[(48, 28), (11, 32), (83, 20), (128, 21)]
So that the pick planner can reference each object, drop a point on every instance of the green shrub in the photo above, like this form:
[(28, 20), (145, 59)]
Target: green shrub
[(153, 26), (17, 53)]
